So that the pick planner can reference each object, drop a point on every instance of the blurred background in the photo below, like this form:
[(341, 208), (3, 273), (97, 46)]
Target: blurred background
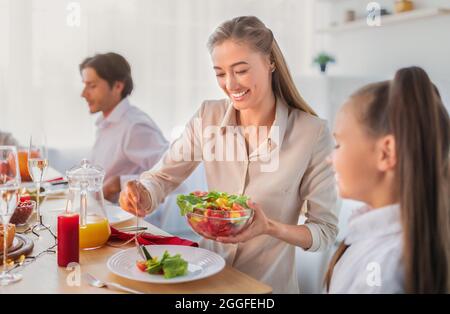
[(42, 42)]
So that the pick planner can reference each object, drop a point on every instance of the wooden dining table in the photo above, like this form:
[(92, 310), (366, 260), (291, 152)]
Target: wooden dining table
[(45, 277)]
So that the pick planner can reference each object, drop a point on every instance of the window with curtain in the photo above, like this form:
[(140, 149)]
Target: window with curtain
[(43, 42)]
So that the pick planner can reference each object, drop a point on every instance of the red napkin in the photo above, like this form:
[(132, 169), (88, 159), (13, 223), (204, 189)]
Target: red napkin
[(150, 239)]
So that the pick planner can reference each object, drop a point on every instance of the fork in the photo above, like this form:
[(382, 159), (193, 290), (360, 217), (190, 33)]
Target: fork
[(136, 242), (101, 284), (132, 229)]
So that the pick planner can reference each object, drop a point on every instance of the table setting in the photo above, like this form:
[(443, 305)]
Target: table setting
[(64, 237)]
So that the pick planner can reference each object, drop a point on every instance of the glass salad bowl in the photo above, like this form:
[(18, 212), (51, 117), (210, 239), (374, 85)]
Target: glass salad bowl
[(212, 223)]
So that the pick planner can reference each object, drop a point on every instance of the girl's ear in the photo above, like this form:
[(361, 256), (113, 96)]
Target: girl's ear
[(387, 154)]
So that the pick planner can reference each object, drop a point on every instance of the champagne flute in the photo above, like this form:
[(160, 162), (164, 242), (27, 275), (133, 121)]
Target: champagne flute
[(37, 165), (9, 191)]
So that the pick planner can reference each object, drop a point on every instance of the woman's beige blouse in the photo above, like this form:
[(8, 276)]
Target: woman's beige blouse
[(288, 168)]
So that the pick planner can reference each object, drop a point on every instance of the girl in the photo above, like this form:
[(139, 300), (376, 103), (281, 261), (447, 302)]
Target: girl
[(392, 153), (252, 72)]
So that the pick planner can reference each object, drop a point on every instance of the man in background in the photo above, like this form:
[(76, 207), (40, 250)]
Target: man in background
[(128, 142)]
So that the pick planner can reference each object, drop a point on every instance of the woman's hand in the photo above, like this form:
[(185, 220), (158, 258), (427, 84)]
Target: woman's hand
[(258, 226), (135, 199)]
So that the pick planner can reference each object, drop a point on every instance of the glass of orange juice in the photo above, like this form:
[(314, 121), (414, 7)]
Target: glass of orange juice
[(95, 233), (22, 155), (86, 197)]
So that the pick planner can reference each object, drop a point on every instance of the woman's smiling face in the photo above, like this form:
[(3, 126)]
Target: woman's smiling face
[(244, 74)]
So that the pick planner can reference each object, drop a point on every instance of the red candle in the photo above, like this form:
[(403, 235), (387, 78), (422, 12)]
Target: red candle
[(68, 239)]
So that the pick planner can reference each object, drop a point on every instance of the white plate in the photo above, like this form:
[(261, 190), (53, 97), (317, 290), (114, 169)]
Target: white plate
[(117, 215), (202, 263)]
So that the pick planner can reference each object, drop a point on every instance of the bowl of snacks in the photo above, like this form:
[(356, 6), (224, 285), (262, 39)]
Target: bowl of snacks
[(215, 214), (23, 212)]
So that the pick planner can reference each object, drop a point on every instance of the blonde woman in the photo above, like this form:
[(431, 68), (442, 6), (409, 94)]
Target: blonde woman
[(279, 172)]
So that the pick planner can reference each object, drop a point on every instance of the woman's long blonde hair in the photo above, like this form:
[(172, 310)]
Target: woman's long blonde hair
[(251, 30)]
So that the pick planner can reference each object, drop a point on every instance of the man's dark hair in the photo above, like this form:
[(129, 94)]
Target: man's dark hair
[(111, 67)]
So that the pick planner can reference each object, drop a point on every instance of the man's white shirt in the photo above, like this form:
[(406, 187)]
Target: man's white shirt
[(128, 142)]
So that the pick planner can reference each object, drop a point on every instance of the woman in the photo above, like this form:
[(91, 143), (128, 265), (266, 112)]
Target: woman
[(282, 171)]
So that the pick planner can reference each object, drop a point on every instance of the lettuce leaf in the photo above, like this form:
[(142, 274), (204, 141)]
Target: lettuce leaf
[(188, 202), (154, 266), (240, 199), (174, 266), (170, 266)]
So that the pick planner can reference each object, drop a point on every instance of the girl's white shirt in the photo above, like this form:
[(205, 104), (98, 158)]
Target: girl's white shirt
[(373, 261)]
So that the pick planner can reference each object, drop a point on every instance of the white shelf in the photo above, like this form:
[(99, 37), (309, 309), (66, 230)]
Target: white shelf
[(335, 1), (395, 18)]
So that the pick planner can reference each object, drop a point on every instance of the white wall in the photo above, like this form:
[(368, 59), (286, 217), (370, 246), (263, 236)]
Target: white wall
[(164, 40), (380, 51), (364, 56)]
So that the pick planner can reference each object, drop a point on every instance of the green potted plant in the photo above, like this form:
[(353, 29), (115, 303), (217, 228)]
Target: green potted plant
[(322, 59)]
